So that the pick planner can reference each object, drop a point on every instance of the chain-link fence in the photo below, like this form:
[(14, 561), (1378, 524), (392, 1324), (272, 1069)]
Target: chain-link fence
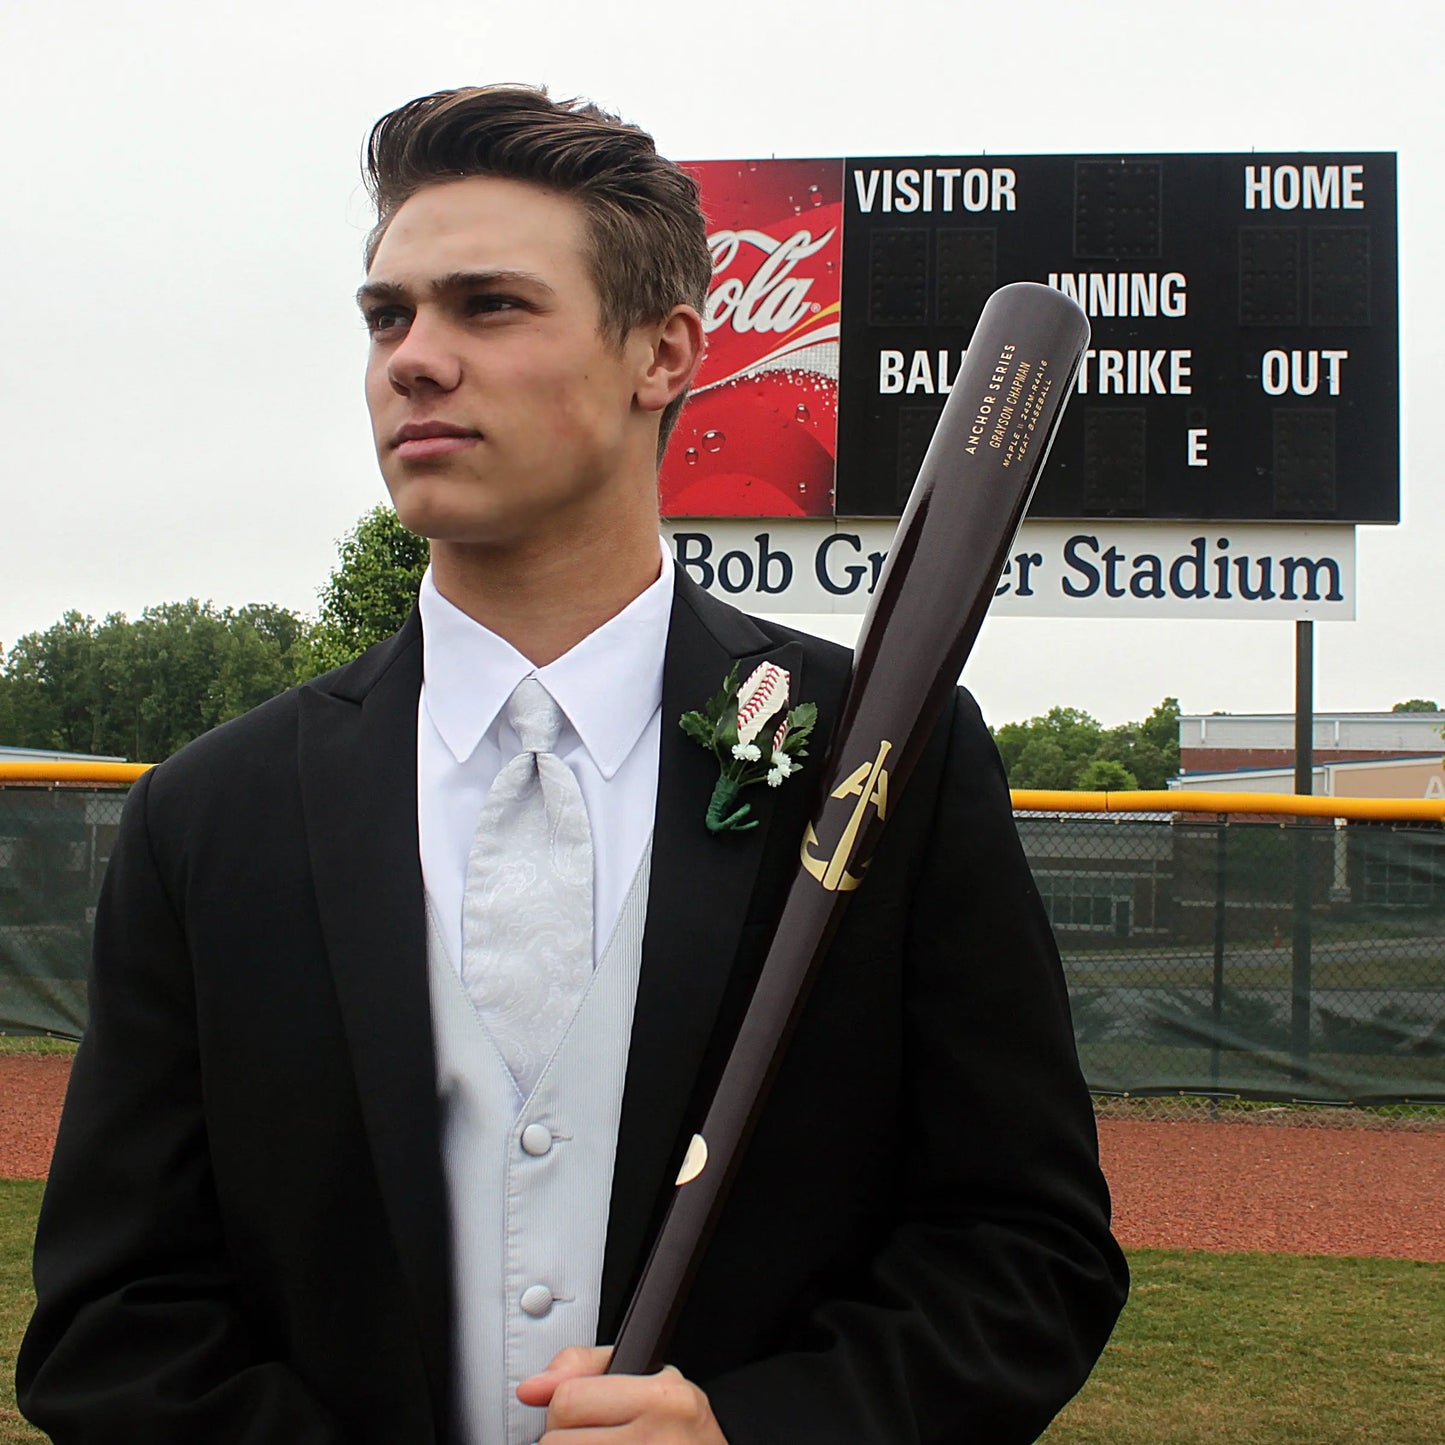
[(54, 845), (1266, 961), (1214, 960)]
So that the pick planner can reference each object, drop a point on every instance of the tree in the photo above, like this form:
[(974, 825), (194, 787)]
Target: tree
[(52, 687), (1148, 750), (372, 590), (143, 689), (1048, 751), (1161, 729), (1104, 775), (1042, 763), (1416, 704), (1068, 749)]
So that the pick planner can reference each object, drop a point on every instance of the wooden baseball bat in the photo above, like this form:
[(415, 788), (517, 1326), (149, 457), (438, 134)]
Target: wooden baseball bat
[(945, 562)]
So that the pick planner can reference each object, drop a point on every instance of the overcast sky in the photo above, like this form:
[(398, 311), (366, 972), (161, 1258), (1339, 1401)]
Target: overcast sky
[(180, 388)]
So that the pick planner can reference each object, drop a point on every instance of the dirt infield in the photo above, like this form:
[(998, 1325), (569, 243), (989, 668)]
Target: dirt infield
[(1226, 1187), (1176, 1185), (32, 1089)]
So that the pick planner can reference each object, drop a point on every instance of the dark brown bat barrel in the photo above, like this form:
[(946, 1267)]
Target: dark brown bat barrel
[(945, 562)]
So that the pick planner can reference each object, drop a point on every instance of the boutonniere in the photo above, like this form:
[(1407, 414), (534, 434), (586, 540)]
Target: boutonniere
[(741, 726)]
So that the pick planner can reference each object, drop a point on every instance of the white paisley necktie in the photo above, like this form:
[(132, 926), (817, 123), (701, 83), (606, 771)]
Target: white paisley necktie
[(527, 911)]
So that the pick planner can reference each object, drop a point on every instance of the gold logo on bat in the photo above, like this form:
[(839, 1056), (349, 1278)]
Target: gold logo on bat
[(869, 784)]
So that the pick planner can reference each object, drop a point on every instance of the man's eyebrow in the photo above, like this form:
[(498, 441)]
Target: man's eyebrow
[(372, 292)]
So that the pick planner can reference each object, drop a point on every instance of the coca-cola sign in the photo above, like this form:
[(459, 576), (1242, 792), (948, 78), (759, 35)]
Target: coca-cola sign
[(758, 437), (761, 293)]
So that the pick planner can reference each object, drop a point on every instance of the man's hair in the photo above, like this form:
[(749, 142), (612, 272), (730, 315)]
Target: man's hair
[(646, 237)]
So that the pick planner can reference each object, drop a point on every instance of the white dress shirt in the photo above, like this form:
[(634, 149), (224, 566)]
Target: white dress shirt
[(529, 1180), (610, 688)]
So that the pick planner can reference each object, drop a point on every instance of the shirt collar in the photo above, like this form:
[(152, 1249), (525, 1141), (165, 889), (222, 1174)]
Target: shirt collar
[(609, 684)]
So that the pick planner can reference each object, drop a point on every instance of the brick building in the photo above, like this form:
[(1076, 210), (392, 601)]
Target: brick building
[(1356, 754)]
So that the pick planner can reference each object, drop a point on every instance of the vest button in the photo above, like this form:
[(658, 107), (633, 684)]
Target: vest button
[(537, 1139), (536, 1301)]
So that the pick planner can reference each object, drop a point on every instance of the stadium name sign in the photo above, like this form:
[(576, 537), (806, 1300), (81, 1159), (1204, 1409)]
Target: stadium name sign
[(1055, 569)]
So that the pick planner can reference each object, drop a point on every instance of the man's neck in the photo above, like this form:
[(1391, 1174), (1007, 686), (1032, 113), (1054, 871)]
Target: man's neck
[(544, 600)]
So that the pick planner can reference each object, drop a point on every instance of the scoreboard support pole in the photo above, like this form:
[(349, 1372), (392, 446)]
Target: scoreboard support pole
[(1301, 962)]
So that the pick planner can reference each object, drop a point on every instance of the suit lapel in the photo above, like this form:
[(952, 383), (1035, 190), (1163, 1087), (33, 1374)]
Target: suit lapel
[(698, 897), (358, 771)]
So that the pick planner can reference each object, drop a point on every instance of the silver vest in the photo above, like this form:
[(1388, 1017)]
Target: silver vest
[(529, 1180)]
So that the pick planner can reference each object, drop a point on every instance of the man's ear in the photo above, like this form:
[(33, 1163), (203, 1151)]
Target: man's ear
[(677, 347)]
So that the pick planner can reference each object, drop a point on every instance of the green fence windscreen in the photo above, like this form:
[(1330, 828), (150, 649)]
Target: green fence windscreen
[(1301, 960), (54, 843)]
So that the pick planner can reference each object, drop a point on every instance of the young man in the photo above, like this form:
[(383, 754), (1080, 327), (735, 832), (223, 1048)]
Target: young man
[(411, 986)]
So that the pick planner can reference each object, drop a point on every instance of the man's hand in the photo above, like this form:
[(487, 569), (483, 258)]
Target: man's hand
[(586, 1407)]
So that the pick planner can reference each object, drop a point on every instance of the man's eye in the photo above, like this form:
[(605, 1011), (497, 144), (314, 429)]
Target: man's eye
[(385, 318), (482, 305)]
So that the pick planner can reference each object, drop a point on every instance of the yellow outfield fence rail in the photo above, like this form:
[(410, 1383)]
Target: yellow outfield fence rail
[(1374, 810), (1025, 800), (33, 774), (1222, 950)]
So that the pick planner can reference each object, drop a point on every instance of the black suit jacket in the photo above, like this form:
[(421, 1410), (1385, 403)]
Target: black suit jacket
[(244, 1237)]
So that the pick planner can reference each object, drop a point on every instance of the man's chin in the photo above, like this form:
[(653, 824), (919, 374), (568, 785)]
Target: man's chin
[(431, 513), (444, 527)]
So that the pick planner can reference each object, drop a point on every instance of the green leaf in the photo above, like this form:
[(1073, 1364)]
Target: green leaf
[(717, 705), (726, 734), (718, 718), (803, 718), (697, 727), (801, 721)]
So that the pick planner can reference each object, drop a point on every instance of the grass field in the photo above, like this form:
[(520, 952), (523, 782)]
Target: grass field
[(35, 1044), (1213, 1349), (19, 1204), (1269, 1349)]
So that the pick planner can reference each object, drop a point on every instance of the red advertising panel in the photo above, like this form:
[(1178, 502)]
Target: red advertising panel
[(759, 435)]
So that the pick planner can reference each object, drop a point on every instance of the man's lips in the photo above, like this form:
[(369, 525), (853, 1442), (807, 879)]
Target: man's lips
[(419, 440)]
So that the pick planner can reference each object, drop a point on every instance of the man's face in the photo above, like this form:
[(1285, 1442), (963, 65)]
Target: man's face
[(502, 416)]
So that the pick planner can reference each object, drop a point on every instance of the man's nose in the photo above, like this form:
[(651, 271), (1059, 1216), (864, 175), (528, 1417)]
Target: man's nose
[(424, 358)]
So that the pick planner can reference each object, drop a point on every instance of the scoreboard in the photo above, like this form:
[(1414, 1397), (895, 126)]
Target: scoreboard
[(1243, 365)]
